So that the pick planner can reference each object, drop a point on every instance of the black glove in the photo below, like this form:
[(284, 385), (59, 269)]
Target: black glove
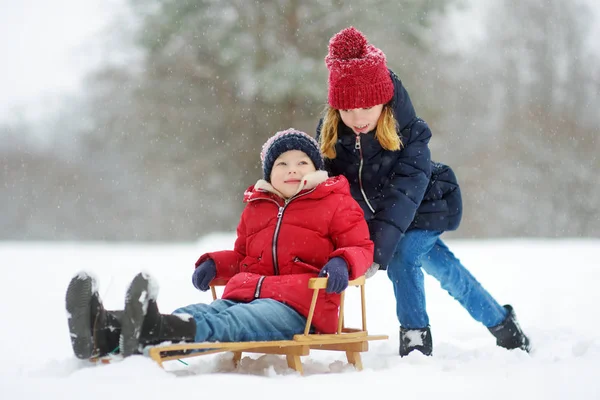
[(336, 271), (203, 274)]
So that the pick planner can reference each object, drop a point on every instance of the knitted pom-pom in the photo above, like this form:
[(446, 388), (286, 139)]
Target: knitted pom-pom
[(347, 44), (358, 74)]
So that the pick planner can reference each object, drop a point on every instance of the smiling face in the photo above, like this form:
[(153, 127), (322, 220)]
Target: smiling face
[(361, 120), (288, 170)]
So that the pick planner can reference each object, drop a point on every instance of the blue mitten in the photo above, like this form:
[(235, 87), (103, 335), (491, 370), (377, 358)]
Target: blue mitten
[(336, 271), (203, 274)]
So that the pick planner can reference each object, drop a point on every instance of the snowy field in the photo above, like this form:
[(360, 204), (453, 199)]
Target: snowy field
[(553, 285)]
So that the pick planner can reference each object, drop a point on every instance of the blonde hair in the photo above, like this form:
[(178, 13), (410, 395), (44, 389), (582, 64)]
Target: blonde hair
[(386, 133)]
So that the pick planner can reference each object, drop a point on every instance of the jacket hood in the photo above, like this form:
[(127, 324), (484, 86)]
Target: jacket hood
[(404, 112)]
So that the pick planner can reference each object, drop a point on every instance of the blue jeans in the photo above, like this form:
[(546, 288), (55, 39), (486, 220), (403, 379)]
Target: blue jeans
[(421, 250), (230, 321)]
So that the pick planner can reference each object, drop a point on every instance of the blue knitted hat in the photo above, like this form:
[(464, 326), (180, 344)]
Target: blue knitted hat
[(283, 141)]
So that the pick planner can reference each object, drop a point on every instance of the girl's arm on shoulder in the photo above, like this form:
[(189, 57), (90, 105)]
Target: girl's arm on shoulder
[(350, 235)]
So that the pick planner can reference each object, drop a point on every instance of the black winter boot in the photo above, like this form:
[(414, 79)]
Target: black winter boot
[(509, 334), (143, 325), (415, 339), (94, 330)]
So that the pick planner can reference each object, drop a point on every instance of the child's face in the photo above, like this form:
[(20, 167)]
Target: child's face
[(361, 120), (288, 171)]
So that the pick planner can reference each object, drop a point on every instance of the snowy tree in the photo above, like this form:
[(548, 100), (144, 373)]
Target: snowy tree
[(217, 79), (529, 154)]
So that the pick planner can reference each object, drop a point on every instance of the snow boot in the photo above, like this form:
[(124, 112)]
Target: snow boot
[(94, 330), (144, 325), (415, 339), (509, 334)]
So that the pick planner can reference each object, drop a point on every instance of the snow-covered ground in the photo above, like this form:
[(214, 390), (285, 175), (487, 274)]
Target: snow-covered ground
[(551, 283)]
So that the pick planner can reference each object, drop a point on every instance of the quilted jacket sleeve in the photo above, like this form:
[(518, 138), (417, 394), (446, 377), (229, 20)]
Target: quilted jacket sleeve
[(402, 195), (350, 235)]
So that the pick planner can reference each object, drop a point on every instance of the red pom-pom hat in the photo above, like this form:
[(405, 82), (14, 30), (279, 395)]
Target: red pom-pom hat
[(358, 74)]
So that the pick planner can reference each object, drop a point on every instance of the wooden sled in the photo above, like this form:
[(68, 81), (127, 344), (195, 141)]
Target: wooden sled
[(353, 341)]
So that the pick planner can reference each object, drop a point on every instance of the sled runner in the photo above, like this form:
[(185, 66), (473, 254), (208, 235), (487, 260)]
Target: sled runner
[(353, 341)]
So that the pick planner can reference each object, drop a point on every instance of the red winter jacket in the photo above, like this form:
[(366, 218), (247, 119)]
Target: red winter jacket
[(322, 221)]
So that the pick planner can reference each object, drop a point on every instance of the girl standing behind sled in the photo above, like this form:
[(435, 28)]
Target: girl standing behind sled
[(371, 135)]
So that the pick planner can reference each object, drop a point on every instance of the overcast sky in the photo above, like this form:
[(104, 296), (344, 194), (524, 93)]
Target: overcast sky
[(43, 47)]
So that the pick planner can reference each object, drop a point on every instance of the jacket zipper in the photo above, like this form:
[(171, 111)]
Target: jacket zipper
[(276, 234), (358, 147), (278, 226), (258, 287)]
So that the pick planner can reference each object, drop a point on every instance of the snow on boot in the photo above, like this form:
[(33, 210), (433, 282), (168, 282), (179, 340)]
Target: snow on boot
[(94, 331), (143, 325), (509, 334), (415, 339)]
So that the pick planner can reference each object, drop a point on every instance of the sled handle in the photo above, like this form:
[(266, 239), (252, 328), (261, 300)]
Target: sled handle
[(316, 284)]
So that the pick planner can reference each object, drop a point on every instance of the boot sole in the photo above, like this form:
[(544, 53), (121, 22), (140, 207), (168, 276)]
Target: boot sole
[(136, 305), (78, 300)]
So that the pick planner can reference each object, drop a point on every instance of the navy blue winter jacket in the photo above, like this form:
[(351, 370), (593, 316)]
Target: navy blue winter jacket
[(403, 189)]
